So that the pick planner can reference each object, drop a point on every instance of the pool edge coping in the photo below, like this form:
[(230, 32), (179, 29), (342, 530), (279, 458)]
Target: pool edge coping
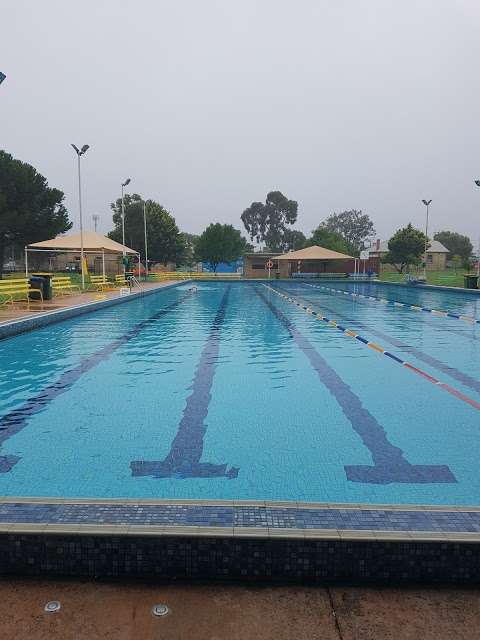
[(265, 533)]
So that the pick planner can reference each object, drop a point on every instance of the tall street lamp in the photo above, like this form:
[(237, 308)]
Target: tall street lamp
[(477, 182), (146, 244), (81, 152), (427, 204), (124, 184), (145, 237)]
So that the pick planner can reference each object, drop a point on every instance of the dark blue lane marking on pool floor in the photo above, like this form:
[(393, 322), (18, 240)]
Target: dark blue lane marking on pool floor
[(464, 378), (183, 459), (389, 463), (17, 419)]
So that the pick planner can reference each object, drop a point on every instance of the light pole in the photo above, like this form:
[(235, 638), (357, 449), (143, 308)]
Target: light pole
[(81, 152), (477, 182), (427, 204), (146, 244), (124, 184), (145, 236)]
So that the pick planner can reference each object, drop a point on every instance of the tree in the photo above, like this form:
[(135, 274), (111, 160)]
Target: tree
[(293, 240), (268, 222), (165, 242), (354, 227), (457, 262), (406, 247), (220, 243), (328, 239), (190, 241), (456, 244), (30, 210)]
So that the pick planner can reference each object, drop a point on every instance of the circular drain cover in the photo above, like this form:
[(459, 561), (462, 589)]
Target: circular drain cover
[(160, 610), (52, 606)]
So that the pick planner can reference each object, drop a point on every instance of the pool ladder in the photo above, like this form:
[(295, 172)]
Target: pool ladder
[(134, 282)]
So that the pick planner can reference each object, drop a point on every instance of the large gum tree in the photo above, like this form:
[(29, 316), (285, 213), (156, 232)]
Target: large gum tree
[(268, 223)]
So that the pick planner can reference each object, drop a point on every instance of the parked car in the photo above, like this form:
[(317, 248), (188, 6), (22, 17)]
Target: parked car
[(72, 267)]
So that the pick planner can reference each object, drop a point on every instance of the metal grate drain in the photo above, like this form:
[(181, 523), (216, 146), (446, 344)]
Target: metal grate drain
[(52, 606), (160, 610)]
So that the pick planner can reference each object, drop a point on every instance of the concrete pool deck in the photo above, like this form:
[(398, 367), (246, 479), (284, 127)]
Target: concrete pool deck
[(122, 611)]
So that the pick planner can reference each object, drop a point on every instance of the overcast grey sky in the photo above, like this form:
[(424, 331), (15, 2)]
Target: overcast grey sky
[(208, 105)]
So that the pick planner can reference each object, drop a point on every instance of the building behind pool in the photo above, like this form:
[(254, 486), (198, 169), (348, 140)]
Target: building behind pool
[(314, 260)]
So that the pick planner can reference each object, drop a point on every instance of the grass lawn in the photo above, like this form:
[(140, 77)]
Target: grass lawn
[(446, 278)]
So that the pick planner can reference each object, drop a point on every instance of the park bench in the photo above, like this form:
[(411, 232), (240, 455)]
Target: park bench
[(100, 283), (63, 284), (121, 281), (17, 290)]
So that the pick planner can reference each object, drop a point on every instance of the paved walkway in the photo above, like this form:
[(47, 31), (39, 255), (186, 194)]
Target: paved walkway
[(19, 311), (123, 611)]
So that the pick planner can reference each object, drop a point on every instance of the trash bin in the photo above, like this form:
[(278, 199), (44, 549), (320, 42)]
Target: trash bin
[(277, 275), (470, 281), (36, 282), (42, 281)]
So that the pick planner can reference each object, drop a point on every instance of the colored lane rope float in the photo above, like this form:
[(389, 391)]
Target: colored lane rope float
[(372, 345), (395, 303)]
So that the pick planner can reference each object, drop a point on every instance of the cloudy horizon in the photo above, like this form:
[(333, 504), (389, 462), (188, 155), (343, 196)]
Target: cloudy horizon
[(365, 104)]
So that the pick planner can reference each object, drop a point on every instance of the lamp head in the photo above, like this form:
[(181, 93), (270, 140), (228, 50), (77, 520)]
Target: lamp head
[(477, 182), (127, 181), (426, 202), (85, 148), (77, 150)]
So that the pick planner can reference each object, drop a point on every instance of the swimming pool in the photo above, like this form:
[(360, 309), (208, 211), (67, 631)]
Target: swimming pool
[(238, 392)]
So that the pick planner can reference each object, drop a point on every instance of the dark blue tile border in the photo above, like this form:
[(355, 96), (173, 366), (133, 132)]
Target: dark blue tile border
[(226, 541), (230, 515), (242, 559)]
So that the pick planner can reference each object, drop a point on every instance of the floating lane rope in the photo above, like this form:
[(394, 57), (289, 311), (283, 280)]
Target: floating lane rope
[(375, 347), (395, 303)]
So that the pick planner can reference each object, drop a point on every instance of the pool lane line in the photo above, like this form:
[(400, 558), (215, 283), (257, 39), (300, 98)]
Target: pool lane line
[(183, 459), (435, 326), (461, 377), (396, 303), (375, 347), (13, 422), (390, 465)]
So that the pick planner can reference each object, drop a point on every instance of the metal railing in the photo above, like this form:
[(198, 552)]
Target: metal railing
[(134, 282)]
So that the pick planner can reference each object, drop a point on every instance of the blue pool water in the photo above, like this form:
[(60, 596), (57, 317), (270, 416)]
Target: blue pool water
[(234, 392)]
